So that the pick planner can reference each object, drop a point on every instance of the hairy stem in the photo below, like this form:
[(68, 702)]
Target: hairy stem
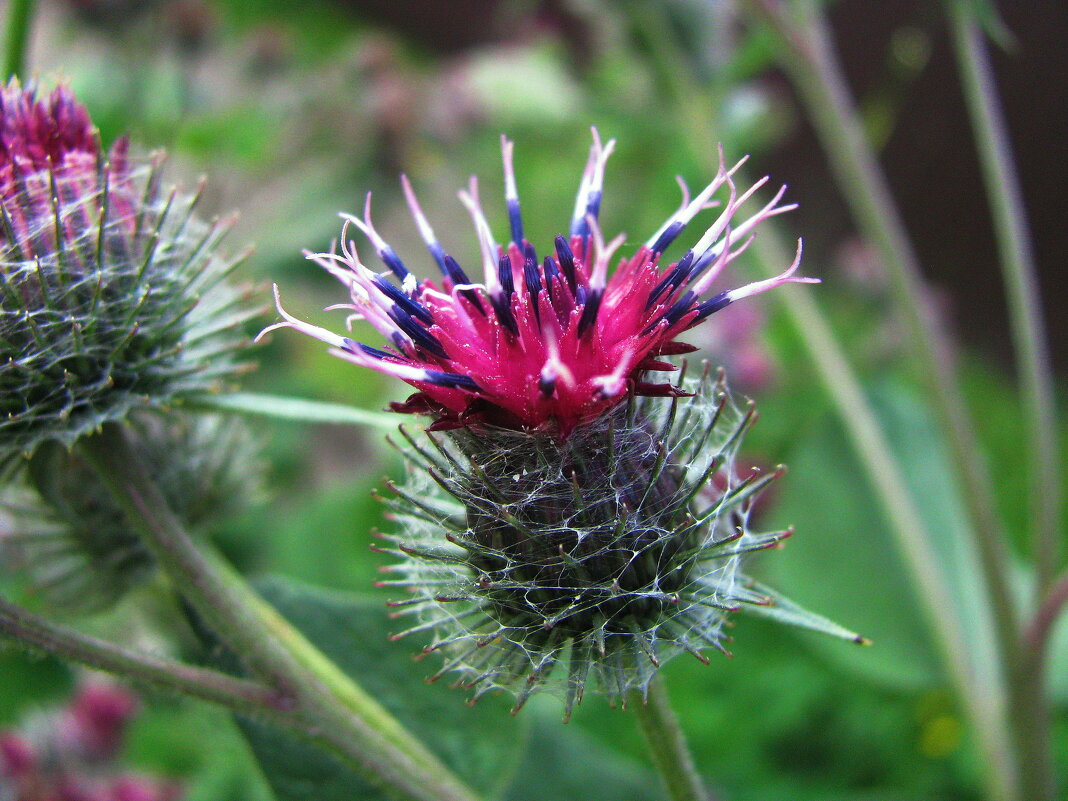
[(667, 744), (809, 58), (38, 634), (19, 16), (352, 725), (1021, 283)]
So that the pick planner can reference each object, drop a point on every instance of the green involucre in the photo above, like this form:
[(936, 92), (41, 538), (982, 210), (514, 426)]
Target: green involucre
[(75, 544), (126, 309), (538, 562)]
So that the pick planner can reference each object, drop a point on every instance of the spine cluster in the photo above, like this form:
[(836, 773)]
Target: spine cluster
[(538, 561)]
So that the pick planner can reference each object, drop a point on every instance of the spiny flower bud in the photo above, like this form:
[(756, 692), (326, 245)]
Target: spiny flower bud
[(75, 544), (111, 293), (566, 524), (605, 552)]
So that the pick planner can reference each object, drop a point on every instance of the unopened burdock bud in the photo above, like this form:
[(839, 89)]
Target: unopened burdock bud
[(111, 290), (74, 543)]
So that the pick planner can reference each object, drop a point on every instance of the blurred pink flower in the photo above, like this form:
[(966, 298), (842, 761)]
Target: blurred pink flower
[(542, 345), (17, 758), (97, 719)]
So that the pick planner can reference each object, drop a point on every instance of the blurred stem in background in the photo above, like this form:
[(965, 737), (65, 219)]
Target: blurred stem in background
[(1027, 672), (1021, 283), (17, 36), (40, 635), (808, 56), (1023, 771)]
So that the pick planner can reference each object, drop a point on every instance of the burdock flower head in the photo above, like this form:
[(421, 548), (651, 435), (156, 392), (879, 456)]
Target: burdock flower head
[(101, 276), (566, 524)]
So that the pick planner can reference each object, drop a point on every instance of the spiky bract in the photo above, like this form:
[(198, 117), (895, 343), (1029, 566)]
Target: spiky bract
[(111, 292), (75, 544), (604, 553)]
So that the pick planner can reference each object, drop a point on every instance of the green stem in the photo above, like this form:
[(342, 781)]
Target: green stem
[(1021, 284), (1032, 706), (19, 15), (36, 633), (667, 744), (809, 57), (1036, 638), (316, 663), (354, 727)]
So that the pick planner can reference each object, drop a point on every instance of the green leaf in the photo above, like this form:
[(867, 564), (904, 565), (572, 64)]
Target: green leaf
[(40, 681), (581, 767), (297, 409), (844, 561), (480, 744)]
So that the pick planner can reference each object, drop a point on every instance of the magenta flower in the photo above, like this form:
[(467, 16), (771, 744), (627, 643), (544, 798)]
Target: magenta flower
[(39, 133), (542, 344)]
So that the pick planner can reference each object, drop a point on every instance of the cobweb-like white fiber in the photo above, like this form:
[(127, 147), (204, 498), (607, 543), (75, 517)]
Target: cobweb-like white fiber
[(535, 562)]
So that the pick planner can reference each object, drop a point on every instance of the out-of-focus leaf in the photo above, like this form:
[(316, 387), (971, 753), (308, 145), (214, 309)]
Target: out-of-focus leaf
[(844, 562), (168, 739), (524, 85), (480, 744), (40, 680), (298, 409)]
